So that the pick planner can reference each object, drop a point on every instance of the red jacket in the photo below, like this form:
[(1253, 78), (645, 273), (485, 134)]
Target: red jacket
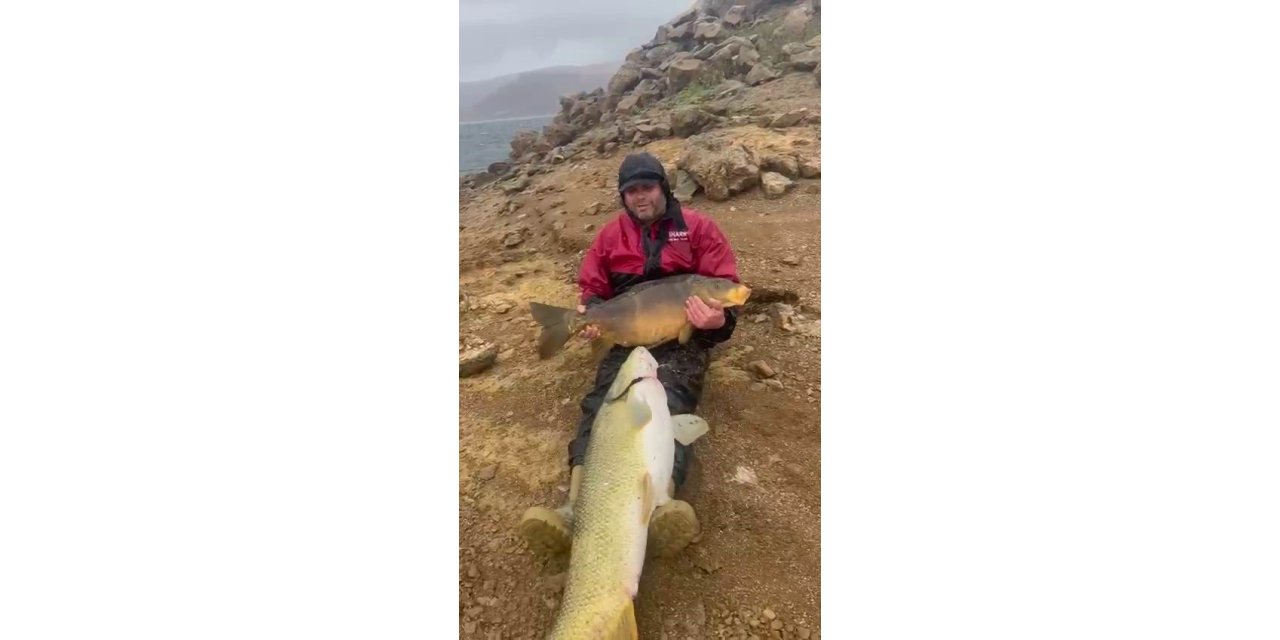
[(683, 241)]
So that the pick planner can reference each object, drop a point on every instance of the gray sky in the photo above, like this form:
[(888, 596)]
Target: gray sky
[(498, 37)]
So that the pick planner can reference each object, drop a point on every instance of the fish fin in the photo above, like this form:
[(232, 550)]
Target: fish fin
[(689, 427), (639, 411), (625, 626), (557, 325), (686, 332), (646, 499), (600, 348)]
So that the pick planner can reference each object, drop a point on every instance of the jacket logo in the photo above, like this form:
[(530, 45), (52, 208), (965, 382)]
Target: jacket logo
[(678, 235)]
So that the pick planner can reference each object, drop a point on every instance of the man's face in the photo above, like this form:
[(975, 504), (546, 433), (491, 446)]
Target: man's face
[(646, 201)]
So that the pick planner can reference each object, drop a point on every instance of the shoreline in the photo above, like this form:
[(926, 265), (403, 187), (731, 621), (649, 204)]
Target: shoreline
[(462, 122)]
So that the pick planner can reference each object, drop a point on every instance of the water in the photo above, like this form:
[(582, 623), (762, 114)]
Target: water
[(482, 143)]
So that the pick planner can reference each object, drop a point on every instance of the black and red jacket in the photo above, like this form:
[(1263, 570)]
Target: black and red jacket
[(626, 253)]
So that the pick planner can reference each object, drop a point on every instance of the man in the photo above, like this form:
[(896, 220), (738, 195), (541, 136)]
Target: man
[(654, 237)]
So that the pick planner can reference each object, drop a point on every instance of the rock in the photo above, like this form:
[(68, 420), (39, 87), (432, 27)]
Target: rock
[(649, 90), (723, 168), (711, 30), (813, 42), (678, 32), (685, 187), (488, 473), (747, 58), (512, 239), (734, 16), (789, 119), (499, 168), (793, 25), (519, 185), (687, 121), (469, 627), (762, 369), (558, 226), (522, 142), (758, 387), (817, 73), (773, 383), (659, 53), (774, 184), (655, 131), (806, 61), (682, 73), (787, 165), (626, 78), (791, 260), (705, 52), (803, 633), (775, 625), (676, 57), (744, 475), (650, 73), (627, 105), (477, 361), (769, 614), (761, 72), (592, 209), (588, 226), (810, 167), (783, 316), (558, 135)]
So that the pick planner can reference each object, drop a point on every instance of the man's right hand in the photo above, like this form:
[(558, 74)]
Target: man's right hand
[(590, 332)]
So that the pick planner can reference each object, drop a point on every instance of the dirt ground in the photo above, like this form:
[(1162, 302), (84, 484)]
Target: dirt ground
[(755, 483)]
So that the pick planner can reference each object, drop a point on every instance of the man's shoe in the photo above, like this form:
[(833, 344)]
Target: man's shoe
[(547, 532)]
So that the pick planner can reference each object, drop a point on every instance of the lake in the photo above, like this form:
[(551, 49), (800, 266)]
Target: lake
[(482, 143)]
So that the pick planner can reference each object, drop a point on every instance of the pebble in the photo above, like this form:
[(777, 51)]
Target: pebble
[(488, 473), (761, 368), (775, 625), (473, 572), (768, 613), (758, 387), (803, 633), (774, 383), (469, 627), (792, 260)]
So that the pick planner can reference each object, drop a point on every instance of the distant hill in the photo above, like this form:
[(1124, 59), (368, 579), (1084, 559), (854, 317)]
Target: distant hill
[(529, 93)]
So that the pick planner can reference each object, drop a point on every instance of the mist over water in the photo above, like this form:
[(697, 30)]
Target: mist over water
[(482, 143)]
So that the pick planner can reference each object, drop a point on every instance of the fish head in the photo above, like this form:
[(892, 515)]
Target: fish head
[(723, 290), (640, 365)]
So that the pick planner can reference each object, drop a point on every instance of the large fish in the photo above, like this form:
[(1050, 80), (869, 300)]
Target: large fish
[(625, 477), (647, 315)]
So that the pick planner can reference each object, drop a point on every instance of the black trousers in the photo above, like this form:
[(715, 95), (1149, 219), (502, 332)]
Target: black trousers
[(682, 370)]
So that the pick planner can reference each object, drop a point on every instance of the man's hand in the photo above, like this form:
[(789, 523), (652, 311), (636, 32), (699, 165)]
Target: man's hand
[(590, 332), (704, 315)]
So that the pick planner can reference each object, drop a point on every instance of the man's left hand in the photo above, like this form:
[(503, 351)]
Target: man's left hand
[(704, 315)]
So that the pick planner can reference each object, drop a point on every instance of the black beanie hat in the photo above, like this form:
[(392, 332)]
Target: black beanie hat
[(639, 168)]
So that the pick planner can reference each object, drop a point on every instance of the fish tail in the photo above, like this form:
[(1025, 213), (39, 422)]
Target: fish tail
[(626, 628), (557, 325)]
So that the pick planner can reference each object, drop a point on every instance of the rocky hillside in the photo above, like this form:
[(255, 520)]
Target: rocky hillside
[(727, 96)]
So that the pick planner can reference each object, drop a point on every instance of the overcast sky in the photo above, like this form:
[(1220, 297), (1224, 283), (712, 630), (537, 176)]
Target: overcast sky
[(498, 37)]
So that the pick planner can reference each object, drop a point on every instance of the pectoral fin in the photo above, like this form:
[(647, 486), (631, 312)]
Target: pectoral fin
[(638, 411), (689, 427), (686, 332)]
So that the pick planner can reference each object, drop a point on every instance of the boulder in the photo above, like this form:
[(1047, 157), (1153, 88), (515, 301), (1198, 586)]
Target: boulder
[(810, 166), (559, 134), (761, 72), (675, 57), (748, 57), (627, 77), (806, 60), (685, 186), (682, 73), (659, 53), (735, 15), (678, 32), (709, 31), (789, 119), (499, 168), (654, 131), (522, 143), (723, 168), (817, 73), (774, 184), (784, 164), (793, 25), (705, 51), (628, 104), (650, 73), (791, 49), (687, 121)]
